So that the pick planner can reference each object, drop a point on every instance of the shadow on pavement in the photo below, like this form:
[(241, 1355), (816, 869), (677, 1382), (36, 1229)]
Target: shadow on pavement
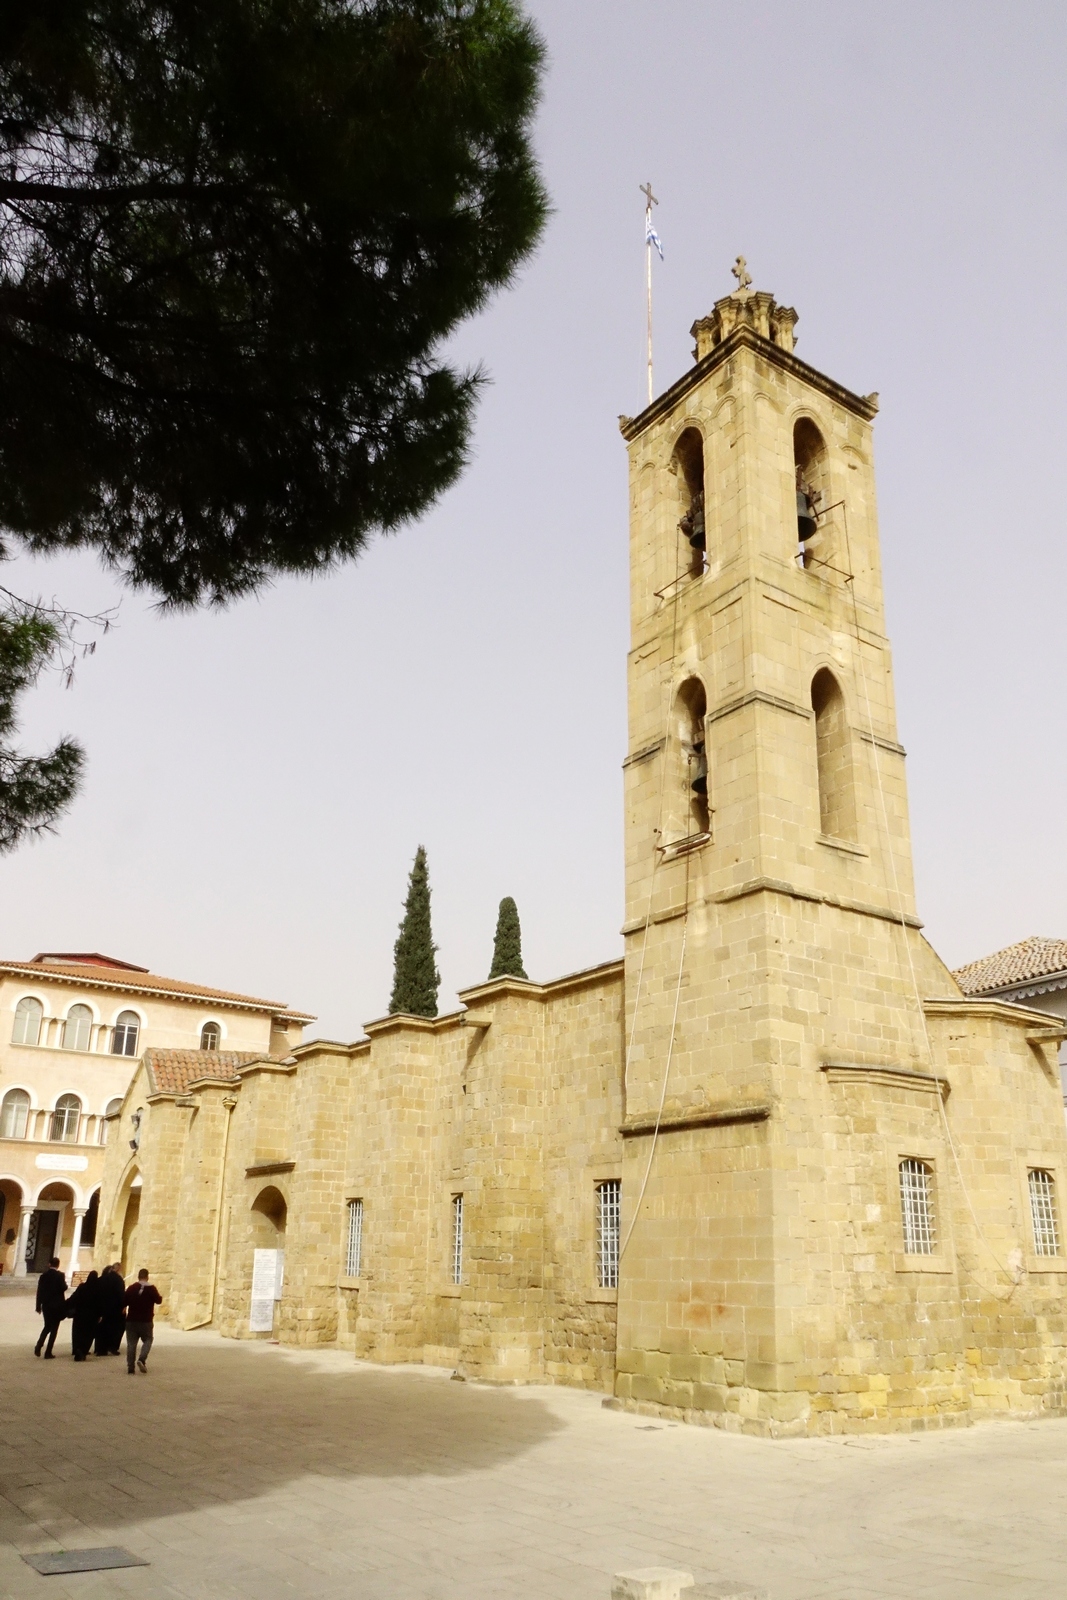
[(213, 1424)]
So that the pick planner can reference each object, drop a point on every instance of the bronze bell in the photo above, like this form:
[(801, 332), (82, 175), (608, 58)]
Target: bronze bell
[(806, 524), (698, 771)]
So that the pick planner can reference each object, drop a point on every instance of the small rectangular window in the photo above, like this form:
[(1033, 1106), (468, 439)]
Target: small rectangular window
[(354, 1256), (457, 1238), (917, 1207), (608, 1206), (1043, 1213)]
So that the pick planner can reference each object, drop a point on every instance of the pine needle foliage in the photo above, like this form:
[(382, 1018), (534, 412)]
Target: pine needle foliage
[(415, 975), (33, 789), (234, 235), (507, 946)]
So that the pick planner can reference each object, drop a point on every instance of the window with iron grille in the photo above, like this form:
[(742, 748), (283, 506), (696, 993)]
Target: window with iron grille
[(457, 1238), (608, 1205), (1043, 1212), (354, 1258), (917, 1207), (66, 1119), (127, 1028)]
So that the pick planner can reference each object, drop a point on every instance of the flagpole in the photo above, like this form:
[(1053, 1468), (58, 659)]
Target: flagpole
[(650, 201), (648, 264)]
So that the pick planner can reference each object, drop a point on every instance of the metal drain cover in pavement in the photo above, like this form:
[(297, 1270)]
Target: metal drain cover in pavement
[(53, 1561)]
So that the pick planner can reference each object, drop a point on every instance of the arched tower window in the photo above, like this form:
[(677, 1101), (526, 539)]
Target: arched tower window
[(210, 1036), (689, 813), (833, 748), (66, 1118), (127, 1029), (689, 468), (14, 1113), (28, 1014), (78, 1028), (812, 481)]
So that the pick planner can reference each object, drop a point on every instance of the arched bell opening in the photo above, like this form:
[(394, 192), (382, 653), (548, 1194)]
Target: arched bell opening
[(810, 471), (833, 753), (690, 814), (688, 464)]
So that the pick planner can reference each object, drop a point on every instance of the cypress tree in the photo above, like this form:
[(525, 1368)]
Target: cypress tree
[(507, 946), (415, 974)]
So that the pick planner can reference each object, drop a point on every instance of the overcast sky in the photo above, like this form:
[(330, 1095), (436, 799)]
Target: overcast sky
[(258, 781)]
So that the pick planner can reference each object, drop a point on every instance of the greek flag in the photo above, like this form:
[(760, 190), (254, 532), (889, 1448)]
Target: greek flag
[(652, 237)]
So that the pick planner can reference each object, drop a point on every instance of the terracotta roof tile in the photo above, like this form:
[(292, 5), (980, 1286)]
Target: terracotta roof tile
[(147, 983), (1019, 963), (172, 1071)]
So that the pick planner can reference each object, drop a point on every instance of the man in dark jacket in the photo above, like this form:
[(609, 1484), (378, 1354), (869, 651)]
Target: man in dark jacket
[(51, 1294), (142, 1298)]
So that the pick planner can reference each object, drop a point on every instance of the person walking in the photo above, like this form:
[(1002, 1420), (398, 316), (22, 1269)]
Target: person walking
[(112, 1311), (51, 1295), (83, 1308), (142, 1298)]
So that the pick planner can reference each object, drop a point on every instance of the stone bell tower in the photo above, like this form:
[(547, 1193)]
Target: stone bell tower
[(771, 937)]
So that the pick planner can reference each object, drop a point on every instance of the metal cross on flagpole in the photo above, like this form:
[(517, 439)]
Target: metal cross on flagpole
[(651, 237)]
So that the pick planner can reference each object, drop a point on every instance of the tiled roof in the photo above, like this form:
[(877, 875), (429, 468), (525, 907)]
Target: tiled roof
[(147, 983), (1019, 963), (172, 1071)]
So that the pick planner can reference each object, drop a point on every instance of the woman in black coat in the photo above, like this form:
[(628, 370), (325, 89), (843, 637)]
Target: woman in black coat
[(83, 1308), (112, 1312)]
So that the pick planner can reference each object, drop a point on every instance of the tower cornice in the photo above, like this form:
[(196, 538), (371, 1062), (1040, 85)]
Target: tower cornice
[(745, 337)]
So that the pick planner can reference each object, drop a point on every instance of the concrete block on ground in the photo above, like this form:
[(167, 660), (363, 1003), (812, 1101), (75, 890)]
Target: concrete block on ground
[(650, 1583)]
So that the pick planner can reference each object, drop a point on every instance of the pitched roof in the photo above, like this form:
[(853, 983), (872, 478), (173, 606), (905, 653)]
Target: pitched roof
[(85, 958), (142, 982), (172, 1071), (1019, 963)]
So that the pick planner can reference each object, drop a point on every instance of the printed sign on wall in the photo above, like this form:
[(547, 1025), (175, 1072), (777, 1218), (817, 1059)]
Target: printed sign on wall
[(267, 1269)]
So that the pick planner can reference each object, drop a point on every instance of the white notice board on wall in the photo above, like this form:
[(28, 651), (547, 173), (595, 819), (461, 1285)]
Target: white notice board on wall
[(268, 1267)]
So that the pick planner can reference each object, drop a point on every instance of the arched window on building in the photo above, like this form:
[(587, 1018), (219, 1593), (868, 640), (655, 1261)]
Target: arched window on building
[(210, 1036), (833, 752), (14, 1114), (688, 464), (78, 1028), (810, 465), (28, 1014), (109, 1111), (66, 1119), (126, 1033), (688, 814)]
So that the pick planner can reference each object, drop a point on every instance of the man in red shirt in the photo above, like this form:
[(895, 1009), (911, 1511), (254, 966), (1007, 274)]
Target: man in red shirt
[(141, 1300)]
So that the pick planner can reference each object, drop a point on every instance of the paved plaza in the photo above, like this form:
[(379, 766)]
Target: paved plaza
[(248, 1472)]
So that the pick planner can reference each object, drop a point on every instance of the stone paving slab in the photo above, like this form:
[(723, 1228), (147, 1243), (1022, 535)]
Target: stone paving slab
[(247, 1472)]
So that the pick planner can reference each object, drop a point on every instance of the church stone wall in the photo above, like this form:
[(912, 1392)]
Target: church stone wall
[(794, 1039)]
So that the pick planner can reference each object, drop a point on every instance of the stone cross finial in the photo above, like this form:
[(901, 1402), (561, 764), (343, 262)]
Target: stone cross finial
[(741, 273)]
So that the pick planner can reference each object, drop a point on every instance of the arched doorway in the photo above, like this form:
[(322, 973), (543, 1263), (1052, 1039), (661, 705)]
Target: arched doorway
[(131, 1216), (269, 1215), (51, 1225), (10, 1217)]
